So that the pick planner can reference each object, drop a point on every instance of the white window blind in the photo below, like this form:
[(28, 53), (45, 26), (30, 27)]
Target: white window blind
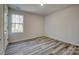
[(17, 23)]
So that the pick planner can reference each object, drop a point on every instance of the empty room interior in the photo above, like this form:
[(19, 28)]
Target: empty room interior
[(39, 29)]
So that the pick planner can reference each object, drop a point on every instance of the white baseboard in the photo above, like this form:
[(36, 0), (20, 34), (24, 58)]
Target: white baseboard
[(56, 38)]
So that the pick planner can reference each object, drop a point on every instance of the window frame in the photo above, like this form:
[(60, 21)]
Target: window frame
[(17, 23)]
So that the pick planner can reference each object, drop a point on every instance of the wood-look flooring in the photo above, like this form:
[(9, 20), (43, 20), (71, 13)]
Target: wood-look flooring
[(42, 46)]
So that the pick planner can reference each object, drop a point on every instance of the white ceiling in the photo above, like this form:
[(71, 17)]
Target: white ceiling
[(38, 9)]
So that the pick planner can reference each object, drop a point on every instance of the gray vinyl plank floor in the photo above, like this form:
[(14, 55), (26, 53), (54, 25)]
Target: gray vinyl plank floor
[(41, 46)]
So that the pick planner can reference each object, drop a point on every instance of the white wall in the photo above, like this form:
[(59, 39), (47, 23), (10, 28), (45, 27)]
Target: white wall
[(1, 30), (5, 26), (33, 27), (64, 25)]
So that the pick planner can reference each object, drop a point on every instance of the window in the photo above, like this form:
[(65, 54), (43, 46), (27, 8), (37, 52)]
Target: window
[(17, 23)]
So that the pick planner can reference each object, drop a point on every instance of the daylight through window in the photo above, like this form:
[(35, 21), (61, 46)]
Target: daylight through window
[(17, 23)]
